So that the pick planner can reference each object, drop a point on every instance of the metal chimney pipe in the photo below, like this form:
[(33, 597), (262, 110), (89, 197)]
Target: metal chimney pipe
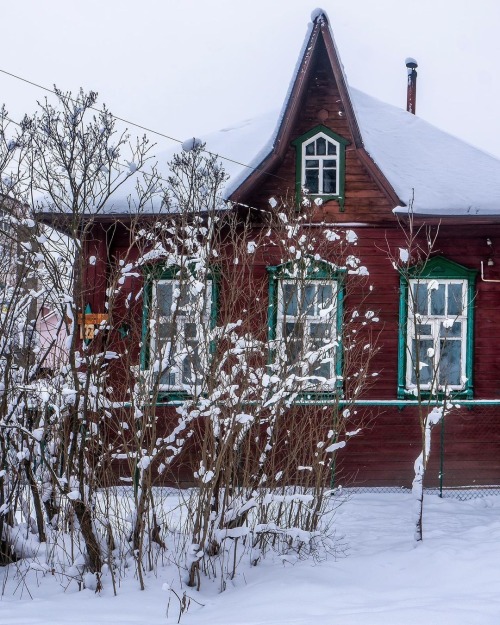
[(411, 93)]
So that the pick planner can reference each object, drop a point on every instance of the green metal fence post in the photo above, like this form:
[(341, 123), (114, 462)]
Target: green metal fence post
[(441, 464)]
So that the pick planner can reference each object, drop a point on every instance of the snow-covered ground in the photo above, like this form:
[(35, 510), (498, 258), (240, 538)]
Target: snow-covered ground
[(453, 578)]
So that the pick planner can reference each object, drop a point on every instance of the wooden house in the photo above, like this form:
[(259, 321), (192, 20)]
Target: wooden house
[(376, 168)]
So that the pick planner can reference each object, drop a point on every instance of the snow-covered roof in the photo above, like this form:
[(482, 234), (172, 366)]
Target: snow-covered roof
[(431, 171), (435, 173), (244, 145), (444, 175)]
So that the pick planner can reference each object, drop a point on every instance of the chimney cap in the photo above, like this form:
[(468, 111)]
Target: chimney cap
[(411, 63)]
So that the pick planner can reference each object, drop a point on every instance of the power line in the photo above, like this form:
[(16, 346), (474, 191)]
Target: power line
[(146, 174), (131, 123)]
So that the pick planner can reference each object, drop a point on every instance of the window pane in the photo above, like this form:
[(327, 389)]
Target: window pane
[(166, 330), (437, 300), (290, 300), (293, 330), (320, 334), (329, 181), (167, 377), (320, 331), (191, 365), (330, 164), (309, 299), (455, 299), (421, 360), (185, 297), (312, 164), (164, 298), (294, 347), (325, 295), (322, 370), (187, 376), (448, 330), (420, 298), (423, 329), (312, 180), (321, 146), (450, 364), (310, 148), (332, 149)]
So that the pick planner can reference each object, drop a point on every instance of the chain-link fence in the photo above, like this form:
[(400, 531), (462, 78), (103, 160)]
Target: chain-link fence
[(464, 460)]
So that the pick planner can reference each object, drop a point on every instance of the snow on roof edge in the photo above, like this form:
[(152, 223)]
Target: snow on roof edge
[(266, 150), (316, 15)]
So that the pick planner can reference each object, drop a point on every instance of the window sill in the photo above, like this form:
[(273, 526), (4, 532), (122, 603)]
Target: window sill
[(440, 396), (326, 198), (170, 398), (318, 398)]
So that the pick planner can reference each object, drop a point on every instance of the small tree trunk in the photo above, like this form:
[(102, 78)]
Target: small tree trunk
[(431, 419), (37, 501), (418, 493), (194, 575), (84, 517)]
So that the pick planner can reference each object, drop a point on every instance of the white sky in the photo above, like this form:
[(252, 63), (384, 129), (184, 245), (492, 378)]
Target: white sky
[(186, 67)]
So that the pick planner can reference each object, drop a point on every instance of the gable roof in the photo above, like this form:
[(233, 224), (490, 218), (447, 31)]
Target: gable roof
[(420, 167), (317, 30), (415, 163)]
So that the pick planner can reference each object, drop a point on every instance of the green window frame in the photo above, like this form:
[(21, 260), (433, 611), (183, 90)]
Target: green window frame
[(436, 330), (180, 379), (306, 304), (320, 165)]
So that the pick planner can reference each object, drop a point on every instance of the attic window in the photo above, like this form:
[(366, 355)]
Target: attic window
[(320, 171), (321, 164)]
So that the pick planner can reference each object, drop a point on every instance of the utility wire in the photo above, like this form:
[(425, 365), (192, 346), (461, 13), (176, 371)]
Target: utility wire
[(158, 177), (131, 123)]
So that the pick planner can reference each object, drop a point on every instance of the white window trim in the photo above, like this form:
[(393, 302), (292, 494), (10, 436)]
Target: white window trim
[(435, 322), (331, 317), (181, 320), (321, 159)]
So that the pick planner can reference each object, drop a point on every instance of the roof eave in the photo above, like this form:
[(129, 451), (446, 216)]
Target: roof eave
[(436, 218)]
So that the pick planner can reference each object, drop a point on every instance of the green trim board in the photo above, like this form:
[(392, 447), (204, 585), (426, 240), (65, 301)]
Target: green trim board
[(299, 164), (464, 403), (308, 269), (169, 399), (438, 268), (328, 400)]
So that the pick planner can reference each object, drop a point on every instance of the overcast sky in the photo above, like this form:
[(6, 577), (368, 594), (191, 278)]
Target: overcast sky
[(185, 67)]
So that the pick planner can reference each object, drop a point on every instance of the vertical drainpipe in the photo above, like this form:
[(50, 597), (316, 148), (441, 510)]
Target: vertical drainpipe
[(411, 93)]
